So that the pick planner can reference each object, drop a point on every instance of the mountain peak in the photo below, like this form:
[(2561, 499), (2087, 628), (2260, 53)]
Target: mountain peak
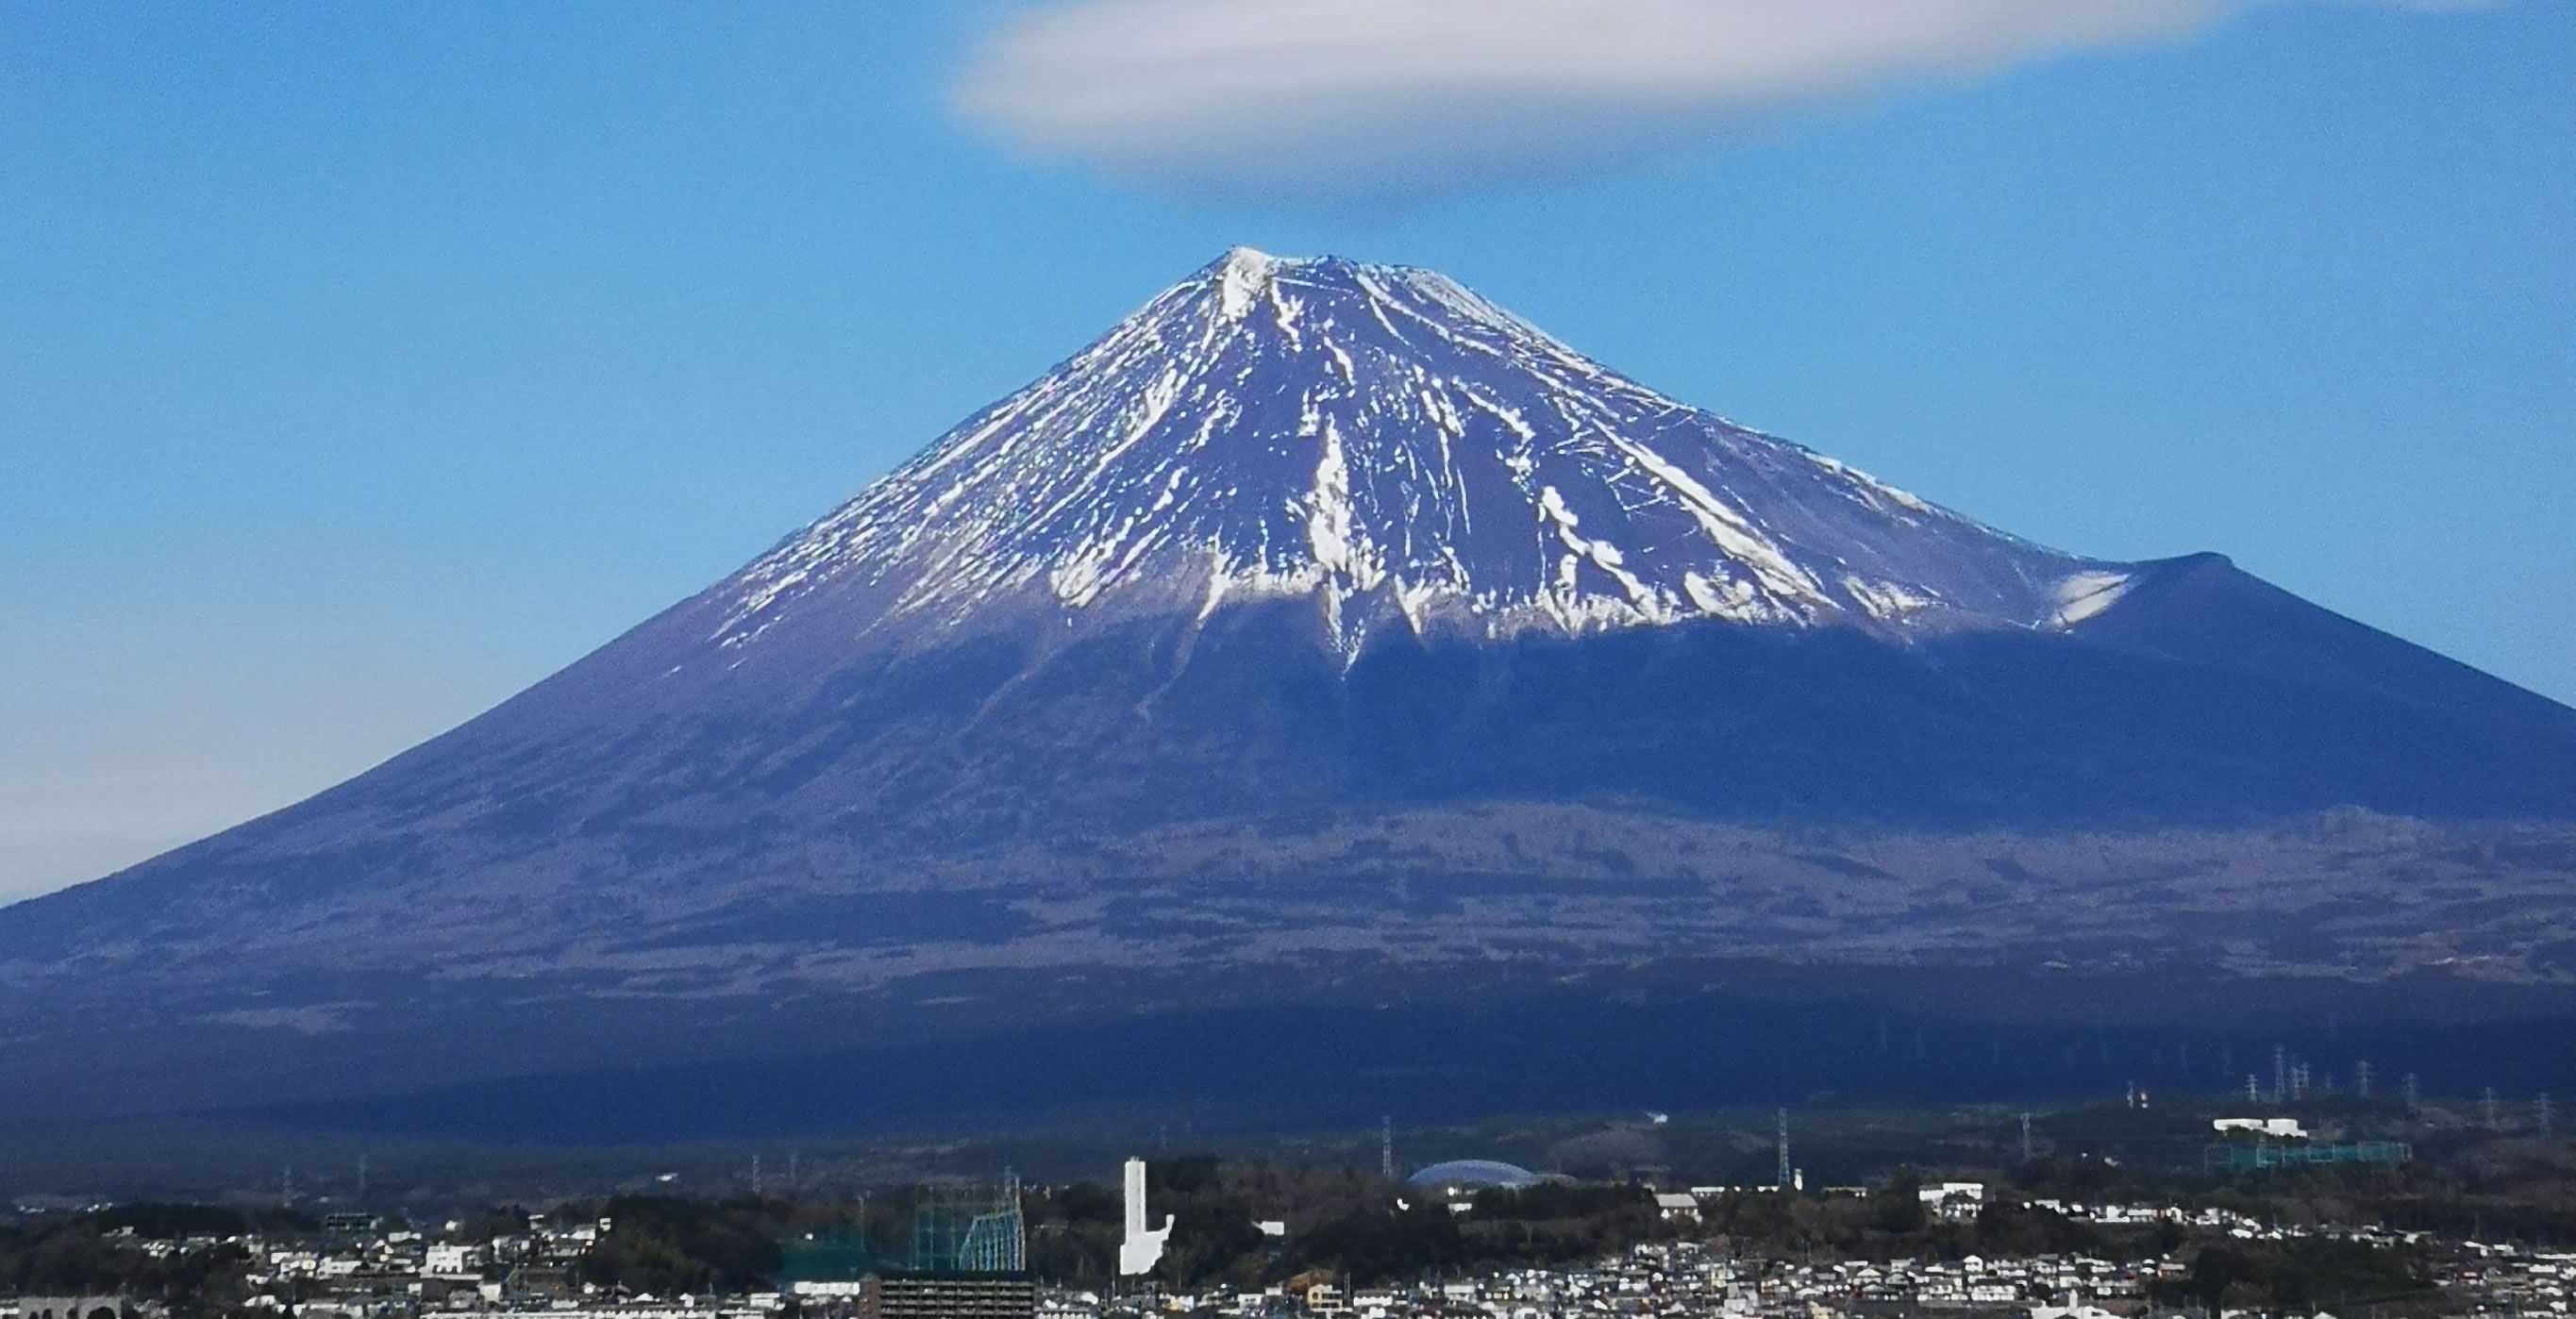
[(1242, 277), (1388, 444)]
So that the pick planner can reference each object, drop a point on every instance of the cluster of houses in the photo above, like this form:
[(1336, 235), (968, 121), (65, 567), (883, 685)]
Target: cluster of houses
[(1683, 1278), (355, 1271), (1695, 1279), (2513, 1281), (358, 1271), (402, 1274)]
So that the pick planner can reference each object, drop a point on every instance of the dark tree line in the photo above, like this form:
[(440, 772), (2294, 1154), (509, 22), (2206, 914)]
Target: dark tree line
[(102, 1253)]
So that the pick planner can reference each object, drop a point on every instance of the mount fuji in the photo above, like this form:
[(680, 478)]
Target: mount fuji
[(1322, 634)]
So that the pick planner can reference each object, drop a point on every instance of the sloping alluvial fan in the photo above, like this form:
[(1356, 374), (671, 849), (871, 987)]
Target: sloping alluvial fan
[(1312, 537)]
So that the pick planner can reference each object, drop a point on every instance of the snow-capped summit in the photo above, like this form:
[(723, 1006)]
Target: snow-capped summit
[(1385, 442)]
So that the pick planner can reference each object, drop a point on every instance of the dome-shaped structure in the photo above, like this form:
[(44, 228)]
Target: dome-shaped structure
[(1474, 1173)]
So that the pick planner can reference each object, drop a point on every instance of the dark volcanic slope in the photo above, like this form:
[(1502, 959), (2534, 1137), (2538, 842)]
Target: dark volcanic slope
[(2210, 700), (1298, 540)]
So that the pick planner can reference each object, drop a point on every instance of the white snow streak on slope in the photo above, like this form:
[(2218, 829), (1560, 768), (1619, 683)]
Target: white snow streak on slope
[(1569, 601), (1726, 527), (2087, 594), (1885, 600), (1866, 485)]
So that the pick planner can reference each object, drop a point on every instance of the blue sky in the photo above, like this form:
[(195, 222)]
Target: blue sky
[(362, 364)]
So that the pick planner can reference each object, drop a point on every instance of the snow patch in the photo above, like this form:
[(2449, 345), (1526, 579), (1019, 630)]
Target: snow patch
[(2086, 594), (1245, 275), (1885, 601)]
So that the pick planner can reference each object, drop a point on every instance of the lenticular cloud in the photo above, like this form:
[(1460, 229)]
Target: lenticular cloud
[(1412, 96)]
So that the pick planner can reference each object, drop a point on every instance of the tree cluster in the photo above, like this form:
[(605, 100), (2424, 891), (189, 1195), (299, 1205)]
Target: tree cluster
[(2300, 1276), (1340, 1223), (667, 1246), (102, 1253)]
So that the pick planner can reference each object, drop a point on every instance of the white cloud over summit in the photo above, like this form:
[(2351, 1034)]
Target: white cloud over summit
[(1413, 96)]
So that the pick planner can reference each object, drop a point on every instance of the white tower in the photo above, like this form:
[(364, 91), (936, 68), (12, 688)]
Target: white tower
[(1138, 1253)]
